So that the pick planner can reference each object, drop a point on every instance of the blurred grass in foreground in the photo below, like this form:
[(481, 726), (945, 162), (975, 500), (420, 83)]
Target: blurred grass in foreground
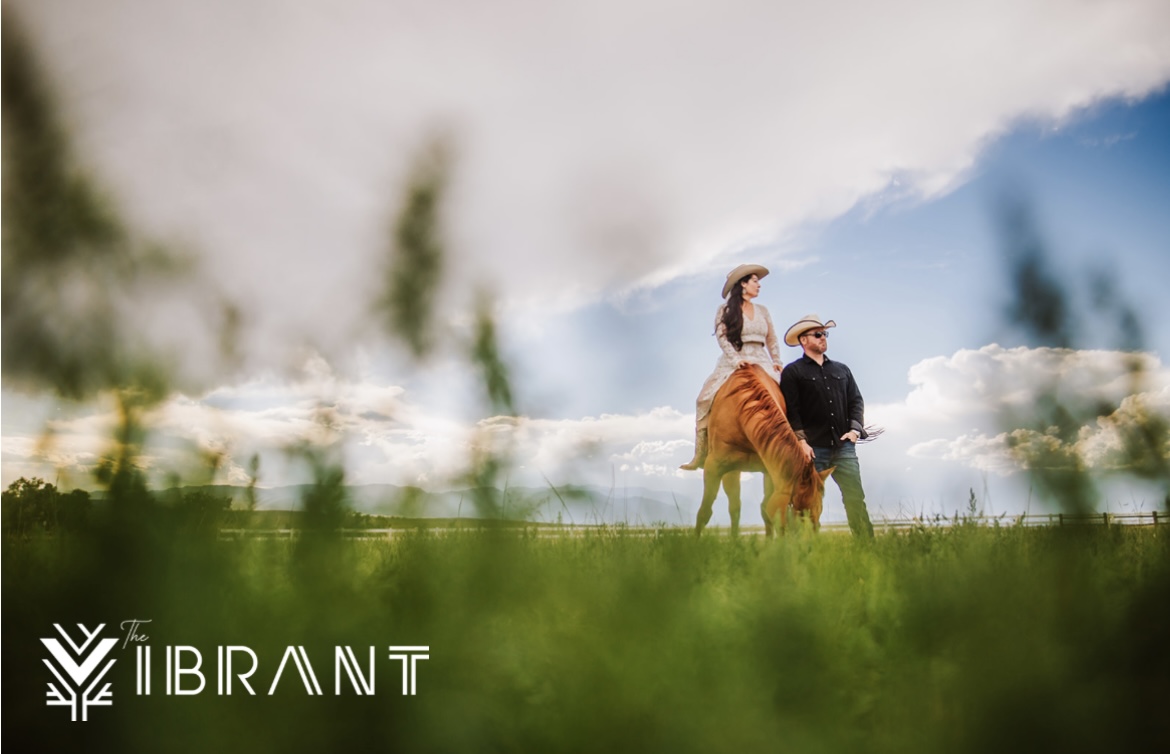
[(963, 639)]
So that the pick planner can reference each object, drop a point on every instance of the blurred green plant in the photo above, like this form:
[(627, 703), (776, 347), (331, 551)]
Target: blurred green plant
[(493, 442), (486, 355), (69, 263), (1047, 437), (415, 263)]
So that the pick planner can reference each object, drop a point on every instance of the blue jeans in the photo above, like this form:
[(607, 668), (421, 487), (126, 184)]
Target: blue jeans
[(847, 475)]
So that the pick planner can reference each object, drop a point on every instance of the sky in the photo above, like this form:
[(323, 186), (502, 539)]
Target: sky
[(610, 162)]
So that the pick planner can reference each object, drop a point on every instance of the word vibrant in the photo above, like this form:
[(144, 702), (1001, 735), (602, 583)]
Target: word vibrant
[(80, 664)]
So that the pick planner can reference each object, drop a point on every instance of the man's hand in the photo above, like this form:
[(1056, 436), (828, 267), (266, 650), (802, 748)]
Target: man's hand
[(808, 451), (852, 436)]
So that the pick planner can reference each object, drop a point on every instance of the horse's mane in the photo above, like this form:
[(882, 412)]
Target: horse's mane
[(764, 421)]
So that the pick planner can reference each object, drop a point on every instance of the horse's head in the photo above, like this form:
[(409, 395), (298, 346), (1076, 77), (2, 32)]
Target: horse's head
[(808, 493), (804, 492), (819, 493)]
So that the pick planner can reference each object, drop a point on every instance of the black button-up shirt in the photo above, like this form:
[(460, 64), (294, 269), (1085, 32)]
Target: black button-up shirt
[(823, 401)]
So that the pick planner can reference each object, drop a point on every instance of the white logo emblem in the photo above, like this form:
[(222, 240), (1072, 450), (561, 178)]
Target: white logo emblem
[(73, 691)]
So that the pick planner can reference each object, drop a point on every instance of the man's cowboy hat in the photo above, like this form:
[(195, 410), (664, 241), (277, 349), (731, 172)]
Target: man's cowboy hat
[(741, 272), (807, 322)]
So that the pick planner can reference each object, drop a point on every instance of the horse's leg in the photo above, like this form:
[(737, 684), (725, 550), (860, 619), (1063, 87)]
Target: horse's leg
[(785, 509), (734, 501), (769, 488), (776, 507), (711, 479)]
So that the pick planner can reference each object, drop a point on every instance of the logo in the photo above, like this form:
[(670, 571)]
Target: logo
[(75, 689), (80, 665)]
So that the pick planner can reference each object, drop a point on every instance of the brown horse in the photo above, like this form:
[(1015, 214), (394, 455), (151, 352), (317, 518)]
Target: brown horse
[(748, 431)]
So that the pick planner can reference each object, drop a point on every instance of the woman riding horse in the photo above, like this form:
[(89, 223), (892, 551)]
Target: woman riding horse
[(746, 336)]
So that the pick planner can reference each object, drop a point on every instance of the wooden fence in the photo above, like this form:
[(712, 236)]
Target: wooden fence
[(1153, 518)]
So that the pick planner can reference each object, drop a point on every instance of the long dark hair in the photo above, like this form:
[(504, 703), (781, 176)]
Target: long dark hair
[(733, 313)]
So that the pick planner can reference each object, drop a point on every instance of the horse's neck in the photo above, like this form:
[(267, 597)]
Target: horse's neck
[(774, 390), (772, 436), (776, 444)]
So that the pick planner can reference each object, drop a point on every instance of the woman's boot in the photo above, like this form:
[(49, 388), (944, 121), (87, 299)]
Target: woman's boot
[(700, 451)]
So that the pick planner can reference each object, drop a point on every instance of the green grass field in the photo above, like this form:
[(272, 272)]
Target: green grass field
[(965, 638)]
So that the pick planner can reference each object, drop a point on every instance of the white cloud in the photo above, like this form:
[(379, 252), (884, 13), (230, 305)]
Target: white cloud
[(384, 437), (600, 144), (975, 450), (1104, 445), (950, 434), (975, 406)]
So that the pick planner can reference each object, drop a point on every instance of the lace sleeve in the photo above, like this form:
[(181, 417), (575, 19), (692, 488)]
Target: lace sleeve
[(721, 336), (771, 340)]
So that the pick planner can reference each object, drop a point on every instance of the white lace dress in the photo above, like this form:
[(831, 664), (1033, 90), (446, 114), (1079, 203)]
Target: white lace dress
[(760, 346)]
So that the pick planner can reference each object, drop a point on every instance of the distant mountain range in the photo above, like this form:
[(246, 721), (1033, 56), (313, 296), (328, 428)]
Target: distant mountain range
[(580, 505)]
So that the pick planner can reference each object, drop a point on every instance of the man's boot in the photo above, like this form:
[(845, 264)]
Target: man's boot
[(700, 451)]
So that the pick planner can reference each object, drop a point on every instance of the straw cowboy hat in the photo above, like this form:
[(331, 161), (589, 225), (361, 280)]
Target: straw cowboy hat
[(743, 271), (807, 322)]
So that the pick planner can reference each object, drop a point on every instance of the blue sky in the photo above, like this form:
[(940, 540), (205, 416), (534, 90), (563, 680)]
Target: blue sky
[(909, 280), (602, 199), (1096, 185)]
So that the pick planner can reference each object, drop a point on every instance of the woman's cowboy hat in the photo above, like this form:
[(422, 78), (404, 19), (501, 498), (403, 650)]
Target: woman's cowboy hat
[(741, 272), (807, 322)]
